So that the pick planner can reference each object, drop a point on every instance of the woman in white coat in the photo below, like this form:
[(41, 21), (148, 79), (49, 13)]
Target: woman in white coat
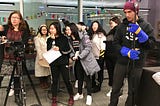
[(41, 47)]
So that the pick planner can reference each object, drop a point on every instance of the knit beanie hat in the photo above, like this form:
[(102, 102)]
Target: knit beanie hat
[(131, 6)]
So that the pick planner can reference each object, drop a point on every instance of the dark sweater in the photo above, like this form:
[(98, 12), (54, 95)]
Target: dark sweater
[(62, 43)]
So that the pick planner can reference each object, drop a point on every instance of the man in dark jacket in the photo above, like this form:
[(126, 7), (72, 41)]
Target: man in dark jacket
[(134, 37)]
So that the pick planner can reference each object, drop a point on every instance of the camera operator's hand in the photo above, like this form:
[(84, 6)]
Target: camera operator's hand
[(3, 39), (56, 48), (1, 28)]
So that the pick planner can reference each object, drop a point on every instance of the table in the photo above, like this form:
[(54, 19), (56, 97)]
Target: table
[(149, 91)]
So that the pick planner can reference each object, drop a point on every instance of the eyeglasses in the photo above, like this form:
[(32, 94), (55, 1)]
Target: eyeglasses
[(17, 18), (44, 29)]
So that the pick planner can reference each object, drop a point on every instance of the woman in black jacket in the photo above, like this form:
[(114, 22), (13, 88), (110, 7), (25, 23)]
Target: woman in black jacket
[(59, 43), (110, 54)]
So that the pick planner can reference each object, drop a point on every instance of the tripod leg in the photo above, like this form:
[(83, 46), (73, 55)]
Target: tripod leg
[(18, 91), (32, 85), (1, 78), (23, 90), (9, 86)]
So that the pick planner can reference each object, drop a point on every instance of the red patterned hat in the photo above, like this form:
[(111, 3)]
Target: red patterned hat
[(132, 6)]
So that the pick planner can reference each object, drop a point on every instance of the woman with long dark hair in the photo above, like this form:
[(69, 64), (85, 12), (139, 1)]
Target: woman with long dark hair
[(73, 37), (59, 42), (98, 36), (86, 64)]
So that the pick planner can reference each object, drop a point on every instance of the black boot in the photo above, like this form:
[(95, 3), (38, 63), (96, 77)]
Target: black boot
[(18, 101), (96, 88)]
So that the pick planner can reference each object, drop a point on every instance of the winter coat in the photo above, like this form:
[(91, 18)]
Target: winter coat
[(110, 50), (86, 56), (98, 44), (41, 47), (125, 38)]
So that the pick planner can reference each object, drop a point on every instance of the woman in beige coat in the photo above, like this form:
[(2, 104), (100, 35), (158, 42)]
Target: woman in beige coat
[(41, 47)]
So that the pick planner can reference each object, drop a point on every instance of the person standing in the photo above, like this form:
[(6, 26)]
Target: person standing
[(110, 53), (59, 42), (73, 37), (98, 36), (15, 31), (134, 37), (40, 42), (86, 64)]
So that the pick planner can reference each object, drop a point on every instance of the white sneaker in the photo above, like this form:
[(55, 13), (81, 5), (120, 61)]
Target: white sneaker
[(76, 84), (89, 100), (11, 92), (109, 93), (78, 96)]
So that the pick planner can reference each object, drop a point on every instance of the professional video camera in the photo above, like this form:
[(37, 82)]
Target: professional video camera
[(17, 48)]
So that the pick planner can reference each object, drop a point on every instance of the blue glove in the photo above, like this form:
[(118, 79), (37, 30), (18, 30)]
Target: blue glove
[(132, 54), (124, 51), (142, 36)]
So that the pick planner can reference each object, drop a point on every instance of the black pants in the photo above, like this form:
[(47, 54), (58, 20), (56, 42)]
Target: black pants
[(75, 70), (110, 61), (81, 77), (55, 71), (100, 74), (17, 85), (133, 75)]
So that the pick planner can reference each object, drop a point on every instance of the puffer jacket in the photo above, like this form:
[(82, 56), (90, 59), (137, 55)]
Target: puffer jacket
[(86, 56)]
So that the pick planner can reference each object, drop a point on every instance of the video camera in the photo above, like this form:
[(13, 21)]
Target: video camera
[(17, 48)]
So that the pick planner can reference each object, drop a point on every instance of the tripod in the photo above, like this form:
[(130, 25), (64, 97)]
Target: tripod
[(18, 67)]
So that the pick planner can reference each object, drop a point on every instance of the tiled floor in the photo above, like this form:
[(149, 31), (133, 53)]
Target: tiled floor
[(99, 99)]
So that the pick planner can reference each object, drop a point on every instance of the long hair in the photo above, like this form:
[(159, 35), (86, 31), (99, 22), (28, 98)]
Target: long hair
[(99, 30), (22, 25), (74, 30), (57, 26)]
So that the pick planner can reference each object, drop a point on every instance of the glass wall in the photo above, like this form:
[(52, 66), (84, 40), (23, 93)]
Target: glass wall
[(37, 12)]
